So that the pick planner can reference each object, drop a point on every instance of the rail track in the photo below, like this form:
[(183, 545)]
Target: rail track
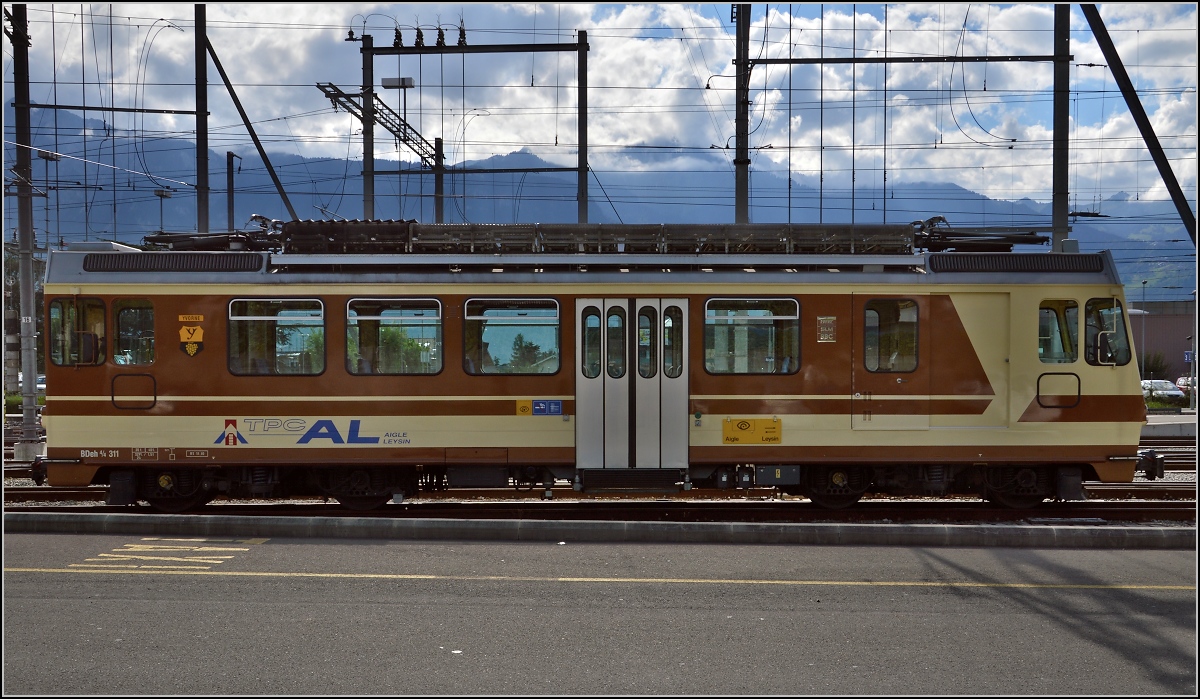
[(1137, 503), (1093, 491), (1179, 453)]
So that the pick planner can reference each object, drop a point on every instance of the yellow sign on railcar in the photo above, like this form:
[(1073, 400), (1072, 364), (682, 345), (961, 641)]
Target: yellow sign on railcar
[(752, 431), (191, 339)]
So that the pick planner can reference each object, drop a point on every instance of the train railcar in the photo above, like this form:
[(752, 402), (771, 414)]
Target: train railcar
[(370, 363)]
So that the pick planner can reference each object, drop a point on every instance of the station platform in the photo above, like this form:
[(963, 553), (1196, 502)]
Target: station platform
[(1182, 424)]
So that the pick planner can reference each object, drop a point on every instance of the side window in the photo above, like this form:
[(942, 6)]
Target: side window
[(134, 342), (1107, 341), (1058, 332), (511, 336), (890, 335), (752, 336), (393, 336), (76, 334), (270, 337)]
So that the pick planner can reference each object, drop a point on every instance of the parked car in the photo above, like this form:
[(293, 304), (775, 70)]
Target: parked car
[(41, 382), (1185, 383), (1161, 389)]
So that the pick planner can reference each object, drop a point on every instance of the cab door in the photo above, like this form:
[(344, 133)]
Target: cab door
[(631, 389), (891, 372)]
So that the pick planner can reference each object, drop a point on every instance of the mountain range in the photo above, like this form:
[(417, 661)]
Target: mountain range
[(1146, 237)]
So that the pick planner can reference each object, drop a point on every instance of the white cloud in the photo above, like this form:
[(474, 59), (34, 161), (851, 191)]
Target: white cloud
[(647, 69)]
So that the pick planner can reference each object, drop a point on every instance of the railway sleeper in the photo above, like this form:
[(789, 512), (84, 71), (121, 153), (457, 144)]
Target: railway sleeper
[(838, 486)]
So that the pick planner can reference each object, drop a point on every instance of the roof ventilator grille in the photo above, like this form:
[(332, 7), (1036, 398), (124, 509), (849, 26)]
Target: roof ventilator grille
[(173, 262), (983, 262)]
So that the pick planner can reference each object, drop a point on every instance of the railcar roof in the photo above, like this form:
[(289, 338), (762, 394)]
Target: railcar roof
[(125, 265), (333, 252)]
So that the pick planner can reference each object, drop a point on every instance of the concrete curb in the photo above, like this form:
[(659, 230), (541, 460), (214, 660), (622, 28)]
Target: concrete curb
[(1169, 429), (930, 535)]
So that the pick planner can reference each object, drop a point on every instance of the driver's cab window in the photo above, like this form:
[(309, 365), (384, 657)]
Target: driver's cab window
[(1107, 342), (134, 319), (77, 331), (1058, 331)]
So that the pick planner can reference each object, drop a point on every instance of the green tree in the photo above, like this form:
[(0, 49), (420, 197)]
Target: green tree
[(1157, 367), (524, 354), (399, 352)]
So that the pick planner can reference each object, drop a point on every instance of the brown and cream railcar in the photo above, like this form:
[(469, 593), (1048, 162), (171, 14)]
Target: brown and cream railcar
[(176, 377)]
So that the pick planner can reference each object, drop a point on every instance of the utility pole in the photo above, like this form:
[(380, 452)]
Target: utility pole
[(582, 195), (400, 126), (229, 156), (1138, 112), (1059, 173), (741, 158), (201, 119), (27, 446), (368, 120), (1061, 60)]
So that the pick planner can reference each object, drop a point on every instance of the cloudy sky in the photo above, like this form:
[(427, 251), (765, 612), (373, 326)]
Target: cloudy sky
[(661, 86)]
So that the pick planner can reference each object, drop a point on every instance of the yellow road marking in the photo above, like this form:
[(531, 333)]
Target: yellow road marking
[(206, 540), (180, 559), (649, 581), (164, 547)]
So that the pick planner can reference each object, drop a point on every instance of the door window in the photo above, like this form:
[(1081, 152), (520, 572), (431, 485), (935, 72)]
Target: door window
[(890, 335), (616, 342)]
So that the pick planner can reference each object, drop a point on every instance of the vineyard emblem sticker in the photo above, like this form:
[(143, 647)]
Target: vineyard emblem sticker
[(191, 339)]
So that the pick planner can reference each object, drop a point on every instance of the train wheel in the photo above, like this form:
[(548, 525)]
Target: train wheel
[(362, 502), (357, 488), (177, 491), (175, 504), (837, 487), (1017, 488), (1016, 501)]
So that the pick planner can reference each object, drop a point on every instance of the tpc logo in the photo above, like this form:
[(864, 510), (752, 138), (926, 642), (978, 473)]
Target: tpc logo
[(231, 437)]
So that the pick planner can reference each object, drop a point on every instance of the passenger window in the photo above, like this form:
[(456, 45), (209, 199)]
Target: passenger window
[(1107, 341), (511, 336), (393, 336), (1058, 332), (276, 337), (135, 332), (591, 342), (76, 331), (890, 335), (752, 336)]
